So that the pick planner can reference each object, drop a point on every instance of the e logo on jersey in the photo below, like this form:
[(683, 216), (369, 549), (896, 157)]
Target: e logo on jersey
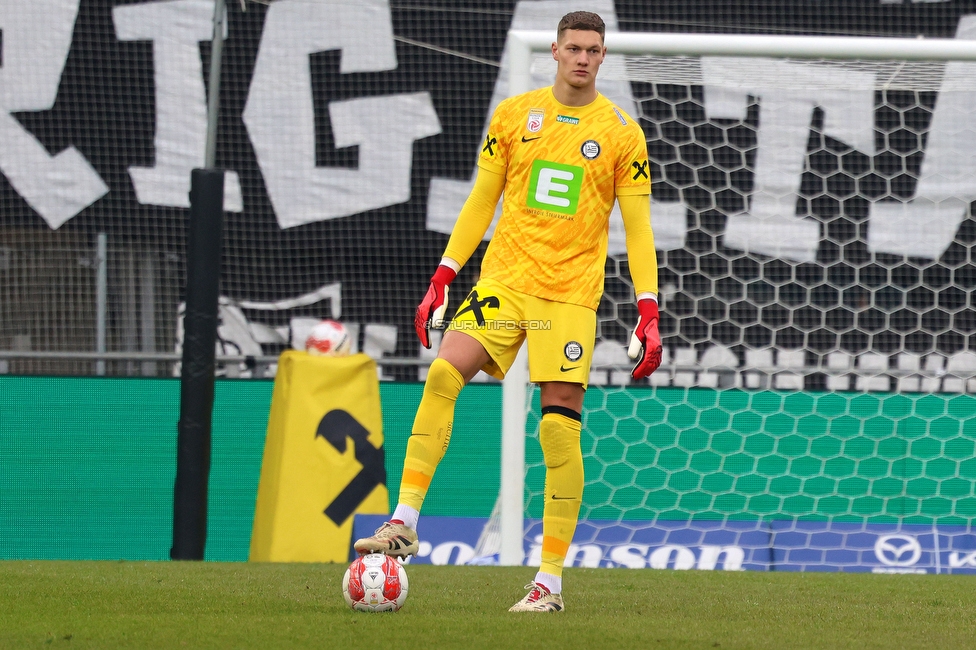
[(555, 187)]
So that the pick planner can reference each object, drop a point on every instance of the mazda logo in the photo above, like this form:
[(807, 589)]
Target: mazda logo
[(897, 550)]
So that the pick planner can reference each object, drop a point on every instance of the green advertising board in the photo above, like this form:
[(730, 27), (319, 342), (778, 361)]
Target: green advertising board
[(87, 464)]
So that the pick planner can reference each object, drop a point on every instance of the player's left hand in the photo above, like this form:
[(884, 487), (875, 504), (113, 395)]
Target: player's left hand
[(645, 344)]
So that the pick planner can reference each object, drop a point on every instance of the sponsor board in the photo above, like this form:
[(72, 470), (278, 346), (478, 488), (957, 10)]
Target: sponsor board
[(735, 546), (781, 545), (729, 546), (876, 548)]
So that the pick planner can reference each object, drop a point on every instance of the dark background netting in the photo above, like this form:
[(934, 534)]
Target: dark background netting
[(849, 299)]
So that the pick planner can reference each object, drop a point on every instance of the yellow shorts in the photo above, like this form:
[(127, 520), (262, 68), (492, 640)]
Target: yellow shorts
[(560, 335)]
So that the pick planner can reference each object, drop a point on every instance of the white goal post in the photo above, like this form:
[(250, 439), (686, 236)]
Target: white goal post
[(522, 45)]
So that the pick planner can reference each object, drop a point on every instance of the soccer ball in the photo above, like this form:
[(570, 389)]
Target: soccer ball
[(330, 338), (375, 583)]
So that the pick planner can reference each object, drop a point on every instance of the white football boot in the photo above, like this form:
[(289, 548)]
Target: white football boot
[(539, 599), (395, 540)]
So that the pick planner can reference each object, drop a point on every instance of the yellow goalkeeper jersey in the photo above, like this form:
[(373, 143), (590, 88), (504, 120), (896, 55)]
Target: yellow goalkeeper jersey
[(564, 167)]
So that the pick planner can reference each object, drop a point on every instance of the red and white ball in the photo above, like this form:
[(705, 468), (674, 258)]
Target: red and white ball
[(375, 583), (330, 338)]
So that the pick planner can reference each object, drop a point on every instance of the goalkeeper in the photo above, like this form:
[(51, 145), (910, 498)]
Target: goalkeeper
[(561, 155)]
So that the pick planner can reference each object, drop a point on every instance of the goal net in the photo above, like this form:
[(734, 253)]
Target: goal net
[(812, 215)]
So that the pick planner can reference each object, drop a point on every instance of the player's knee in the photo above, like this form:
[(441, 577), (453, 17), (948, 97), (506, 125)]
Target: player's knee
[(443, 380), (560, 443)]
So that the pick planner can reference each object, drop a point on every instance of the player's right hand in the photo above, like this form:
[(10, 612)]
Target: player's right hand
[(430, 312)]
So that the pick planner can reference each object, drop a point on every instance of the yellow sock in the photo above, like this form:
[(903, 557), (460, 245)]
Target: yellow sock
[(431, 431), (559, 437)]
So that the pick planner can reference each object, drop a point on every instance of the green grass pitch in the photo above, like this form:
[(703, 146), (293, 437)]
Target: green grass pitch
[(237, 605)]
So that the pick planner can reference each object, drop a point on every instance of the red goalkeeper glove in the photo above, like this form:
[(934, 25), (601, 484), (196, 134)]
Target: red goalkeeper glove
[(645, 344), (430, 312)]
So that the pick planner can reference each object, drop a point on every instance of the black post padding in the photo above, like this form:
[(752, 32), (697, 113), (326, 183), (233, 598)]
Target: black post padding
[(203, 252)]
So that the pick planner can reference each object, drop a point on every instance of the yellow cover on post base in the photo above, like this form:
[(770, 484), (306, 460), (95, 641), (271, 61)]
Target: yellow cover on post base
[(323, 459)]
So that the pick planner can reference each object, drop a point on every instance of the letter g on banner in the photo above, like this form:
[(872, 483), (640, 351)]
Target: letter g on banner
[(280, 119), (336, 426)]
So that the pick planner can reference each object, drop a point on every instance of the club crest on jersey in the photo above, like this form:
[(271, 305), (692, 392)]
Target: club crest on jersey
[(573, 351), (534, 123), (590, 149)]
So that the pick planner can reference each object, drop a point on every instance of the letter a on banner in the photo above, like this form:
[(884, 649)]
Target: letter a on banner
[(323, 459)]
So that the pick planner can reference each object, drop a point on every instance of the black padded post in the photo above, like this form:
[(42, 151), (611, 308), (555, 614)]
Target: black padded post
[(203, 252)]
